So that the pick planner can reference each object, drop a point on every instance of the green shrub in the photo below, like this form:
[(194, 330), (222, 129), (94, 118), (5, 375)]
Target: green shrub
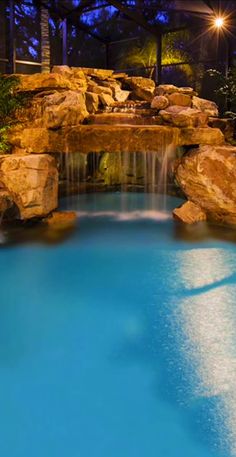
[(226, 89), (10, 102)]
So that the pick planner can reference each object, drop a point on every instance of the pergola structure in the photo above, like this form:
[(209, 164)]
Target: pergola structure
[(137, 11)]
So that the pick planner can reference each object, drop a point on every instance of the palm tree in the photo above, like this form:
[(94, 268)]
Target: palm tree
[(145, 55), (45, 39)]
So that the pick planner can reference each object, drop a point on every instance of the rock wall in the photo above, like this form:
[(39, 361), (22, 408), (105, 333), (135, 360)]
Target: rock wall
[(68, 97)]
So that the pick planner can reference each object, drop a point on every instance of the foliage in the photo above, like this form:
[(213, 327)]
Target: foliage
[(173, 52), (10, 102), (226, 88)]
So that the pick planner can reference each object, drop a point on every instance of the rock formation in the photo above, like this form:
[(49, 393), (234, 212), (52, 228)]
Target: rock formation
[(207, 176), (30, 184), (189, 213), (83, 110), (67, 97)]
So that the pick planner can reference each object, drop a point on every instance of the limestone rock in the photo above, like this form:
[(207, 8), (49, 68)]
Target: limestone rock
[(37, 141), (95, 72), (61, 220), (96, 89), (159, 102), (110, 138), (121, 95), (176, 98), (61, 109), (189, 213), (200, 135), (92, 102), (207, 176), (165, 89), (106, 100), (32, 183), (120, 138), (143, 88), (207, 106), (63, 70), (184, 117), (119, 76), (6, 201), (39, 82)]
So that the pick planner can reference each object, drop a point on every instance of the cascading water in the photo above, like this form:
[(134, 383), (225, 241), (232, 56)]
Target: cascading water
[(147, 171)]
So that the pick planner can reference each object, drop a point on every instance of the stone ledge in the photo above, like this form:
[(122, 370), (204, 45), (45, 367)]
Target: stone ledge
[(112, 138)]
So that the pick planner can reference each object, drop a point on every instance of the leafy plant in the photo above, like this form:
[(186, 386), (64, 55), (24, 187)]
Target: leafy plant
[(226, 89), (144, 55), (10, 102)]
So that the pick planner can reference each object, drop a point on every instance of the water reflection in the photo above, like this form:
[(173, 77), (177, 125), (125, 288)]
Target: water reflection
[(203, 323)]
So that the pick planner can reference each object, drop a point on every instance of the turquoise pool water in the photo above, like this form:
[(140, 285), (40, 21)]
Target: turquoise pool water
[(119, 341)]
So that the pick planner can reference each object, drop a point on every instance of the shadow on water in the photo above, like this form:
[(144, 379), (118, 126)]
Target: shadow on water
[(38, 233)]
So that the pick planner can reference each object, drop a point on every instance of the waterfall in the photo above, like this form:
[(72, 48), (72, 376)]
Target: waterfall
[(147, 171), (126, 171)]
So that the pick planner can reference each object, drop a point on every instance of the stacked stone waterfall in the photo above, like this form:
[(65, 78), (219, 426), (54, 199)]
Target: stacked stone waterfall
[(126, 123)]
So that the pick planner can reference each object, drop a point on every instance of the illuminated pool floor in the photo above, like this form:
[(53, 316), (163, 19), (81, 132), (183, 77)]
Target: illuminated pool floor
[(121, 340)]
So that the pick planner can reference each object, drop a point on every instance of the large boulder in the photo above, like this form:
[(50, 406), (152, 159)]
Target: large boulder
[(143, 88), (54, 109), (207, 176), (207, 106), (62, 109), (184, 117), (31, 182)]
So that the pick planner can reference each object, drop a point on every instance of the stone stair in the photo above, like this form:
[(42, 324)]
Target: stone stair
[(123, 118)]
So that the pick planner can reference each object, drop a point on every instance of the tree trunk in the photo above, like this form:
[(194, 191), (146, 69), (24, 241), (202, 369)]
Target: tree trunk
[(45, 40)]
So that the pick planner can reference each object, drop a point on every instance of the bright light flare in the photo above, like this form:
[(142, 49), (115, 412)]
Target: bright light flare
[(219, 22)]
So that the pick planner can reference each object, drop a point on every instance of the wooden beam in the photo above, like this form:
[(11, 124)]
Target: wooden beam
[(159, 60), (64, 42), (87, 30), (107, 55), (80, 26), (12, 40), (209, 5), (137, 18)]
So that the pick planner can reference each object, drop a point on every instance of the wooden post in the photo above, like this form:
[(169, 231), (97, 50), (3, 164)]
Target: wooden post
[(64, 43), (45, 40), (159, 60), (107, 49), (12, 41)]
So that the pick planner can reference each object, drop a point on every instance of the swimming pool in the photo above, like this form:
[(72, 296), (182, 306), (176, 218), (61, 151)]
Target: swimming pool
[(121, 340)]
